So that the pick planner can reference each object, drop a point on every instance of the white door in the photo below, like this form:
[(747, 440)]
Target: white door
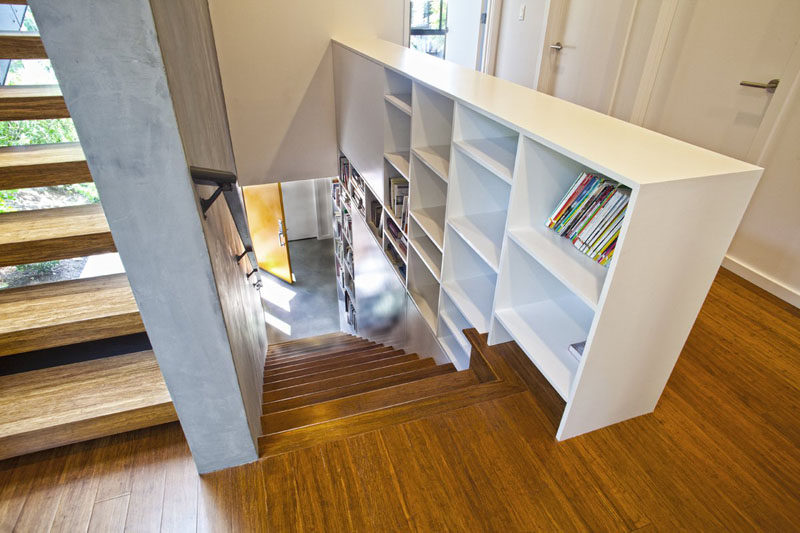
[(583, 48)]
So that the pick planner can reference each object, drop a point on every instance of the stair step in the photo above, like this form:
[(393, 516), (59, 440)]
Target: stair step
[(71, 403), (342, 371), (365, 402), (48, 234), (32, 102), (398, 356), (308, 351), (311, 361), (275, 362), (377, 354), (306, 341), (336, 382), (21, 45), (356, 388), (42, 165), (340, 428), (66, 312)]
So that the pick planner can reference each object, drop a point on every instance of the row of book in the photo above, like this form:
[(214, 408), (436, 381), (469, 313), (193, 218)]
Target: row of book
[(374, 216), (398, 195), (590, 215), (399, 238)]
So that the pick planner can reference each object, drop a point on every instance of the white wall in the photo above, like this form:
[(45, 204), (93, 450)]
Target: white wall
[(275, 65), (300, 209), (519, 42), (766, 248), (463, 24)]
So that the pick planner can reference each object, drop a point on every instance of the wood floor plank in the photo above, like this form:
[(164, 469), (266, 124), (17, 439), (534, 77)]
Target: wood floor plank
[(48, 234), (67, 312), (148, 479), (32, 102), (79, 490), (42, 165), (180, 490), (109, 515), (43, 496)]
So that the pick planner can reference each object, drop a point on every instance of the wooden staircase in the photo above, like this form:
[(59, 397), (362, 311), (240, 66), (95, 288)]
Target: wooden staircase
[(74, 402), (337, 385)]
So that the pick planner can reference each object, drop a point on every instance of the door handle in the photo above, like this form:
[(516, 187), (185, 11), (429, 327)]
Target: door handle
[(557, 46), (281, 233), (770, 86)]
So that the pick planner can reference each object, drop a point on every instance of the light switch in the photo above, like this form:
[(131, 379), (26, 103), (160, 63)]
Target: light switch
[(522, 8)]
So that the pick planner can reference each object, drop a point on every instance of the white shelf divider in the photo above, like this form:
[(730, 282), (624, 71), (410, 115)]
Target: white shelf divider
[(399, 160), (496, 154), (423, 288), (484, 233), (437, 158), (400, 101), (425, 249), (578, 272)]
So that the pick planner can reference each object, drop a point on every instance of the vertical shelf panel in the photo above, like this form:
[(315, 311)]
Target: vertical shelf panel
[(423, 288)]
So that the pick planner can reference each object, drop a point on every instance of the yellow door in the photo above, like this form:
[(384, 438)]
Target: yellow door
[(264, 206)]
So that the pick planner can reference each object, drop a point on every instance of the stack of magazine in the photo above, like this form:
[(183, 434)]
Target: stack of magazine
[(590, 215)]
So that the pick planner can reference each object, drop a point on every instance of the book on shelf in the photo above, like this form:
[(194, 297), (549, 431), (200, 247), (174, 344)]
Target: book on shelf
[(398, 194), (398, 237), (590, 215), (374, 215), (395, 259), (576, 350)]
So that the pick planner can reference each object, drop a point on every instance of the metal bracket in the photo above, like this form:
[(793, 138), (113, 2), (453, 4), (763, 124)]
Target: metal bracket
[(206, 176), (247, 250), (252, 272), (258, 285)]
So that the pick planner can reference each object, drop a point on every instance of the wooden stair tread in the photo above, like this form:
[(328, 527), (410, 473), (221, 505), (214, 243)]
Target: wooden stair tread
[(58, 233), (309, 351), (365, 402), (21, 45), (340, 428), (56, 406), (356, 388), (42, 165), (314, 359), (66, 312), (309, 340), (341, 381), (315, 354), (345, 359), (32, 102), (336, 372)]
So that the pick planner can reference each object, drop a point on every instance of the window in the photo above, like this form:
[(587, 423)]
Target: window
[(428, 27)]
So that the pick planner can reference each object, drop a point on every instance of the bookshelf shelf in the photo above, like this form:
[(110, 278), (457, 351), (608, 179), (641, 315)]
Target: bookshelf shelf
[(496, 154), (390, 238), (400, 101), (545, 331), (431, 220), (426, 249), (451, 342), (473, 296), (578, 272), (437, 158), (484, 233), (423, 288), (398, 160), (390, 215), (449, 313)]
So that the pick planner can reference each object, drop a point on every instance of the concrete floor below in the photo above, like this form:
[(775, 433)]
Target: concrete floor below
[(310, 306)]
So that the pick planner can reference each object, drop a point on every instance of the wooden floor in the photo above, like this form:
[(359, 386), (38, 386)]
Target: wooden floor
[(720, 453)]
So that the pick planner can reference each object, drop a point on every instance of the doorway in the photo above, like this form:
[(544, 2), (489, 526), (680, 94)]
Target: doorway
[(454, 30), (291, 227)]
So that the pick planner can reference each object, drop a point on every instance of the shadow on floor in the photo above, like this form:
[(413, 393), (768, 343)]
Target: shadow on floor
[(308, 307)]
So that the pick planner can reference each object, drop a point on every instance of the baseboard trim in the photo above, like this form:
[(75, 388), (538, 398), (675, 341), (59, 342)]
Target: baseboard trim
[(772, 286)]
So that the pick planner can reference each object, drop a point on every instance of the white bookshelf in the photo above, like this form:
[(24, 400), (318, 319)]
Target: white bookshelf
[(487, 162)]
